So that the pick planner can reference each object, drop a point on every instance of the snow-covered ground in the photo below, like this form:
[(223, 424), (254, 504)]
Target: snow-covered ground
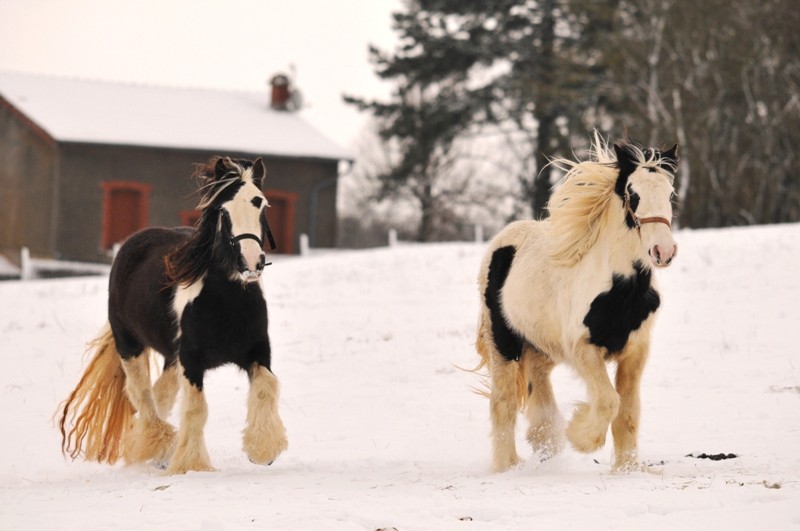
[(384, 431)]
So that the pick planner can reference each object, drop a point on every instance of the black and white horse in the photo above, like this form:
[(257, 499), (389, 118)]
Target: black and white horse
[(578, 288), (194, 296)]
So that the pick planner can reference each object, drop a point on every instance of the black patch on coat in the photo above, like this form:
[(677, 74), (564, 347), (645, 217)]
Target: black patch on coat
[(627, 164), (619, 311), (225, 323), (633, 201), (507, 341)]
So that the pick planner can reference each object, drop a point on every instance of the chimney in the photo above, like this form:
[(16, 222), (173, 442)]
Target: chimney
[(281, 95)]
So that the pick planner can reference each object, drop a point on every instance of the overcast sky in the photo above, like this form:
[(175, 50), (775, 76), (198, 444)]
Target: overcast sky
[(229, 44)]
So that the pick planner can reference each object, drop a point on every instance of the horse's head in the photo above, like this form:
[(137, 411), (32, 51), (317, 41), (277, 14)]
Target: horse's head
[(235, 209), (645, 184)]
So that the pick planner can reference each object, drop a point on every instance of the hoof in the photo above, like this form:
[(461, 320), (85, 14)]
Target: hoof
[(503, 464), (264, 450), (261, 464), (194, 467), (149, 440), (586, 432)]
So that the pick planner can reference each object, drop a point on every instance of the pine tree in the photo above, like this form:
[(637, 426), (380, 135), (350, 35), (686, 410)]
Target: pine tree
[(479, 63)]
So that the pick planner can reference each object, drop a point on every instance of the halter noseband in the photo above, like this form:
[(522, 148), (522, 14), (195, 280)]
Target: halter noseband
[(246, 236), (249, 236), (638, 222)]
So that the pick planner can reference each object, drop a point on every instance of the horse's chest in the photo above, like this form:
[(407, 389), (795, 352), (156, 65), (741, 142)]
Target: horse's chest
[(225, 321), (616, 313)]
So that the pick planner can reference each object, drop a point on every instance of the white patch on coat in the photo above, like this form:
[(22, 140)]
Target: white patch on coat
[(184, 295)]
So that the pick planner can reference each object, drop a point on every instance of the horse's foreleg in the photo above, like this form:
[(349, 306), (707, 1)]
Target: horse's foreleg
[(625, 427), (264, 436), (150, 437), (165, 390), (190, 451), (589, 425), (504, 406), (545, 421)]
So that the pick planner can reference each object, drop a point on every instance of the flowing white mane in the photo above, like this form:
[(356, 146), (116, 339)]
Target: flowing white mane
[(579, 202)]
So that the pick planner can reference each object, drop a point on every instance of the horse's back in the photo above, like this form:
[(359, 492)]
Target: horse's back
[(139, 294), (516, 236)]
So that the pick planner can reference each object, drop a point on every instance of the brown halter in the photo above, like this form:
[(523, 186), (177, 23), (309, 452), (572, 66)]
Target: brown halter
[(638, 222)]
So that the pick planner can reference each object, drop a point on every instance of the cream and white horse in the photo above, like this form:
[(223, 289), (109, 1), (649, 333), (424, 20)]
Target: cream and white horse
[(578, 288)]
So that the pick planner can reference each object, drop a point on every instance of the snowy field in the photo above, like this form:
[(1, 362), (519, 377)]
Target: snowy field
[(384, 431)]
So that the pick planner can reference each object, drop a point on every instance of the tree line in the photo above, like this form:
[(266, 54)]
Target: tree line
[(488, 91)]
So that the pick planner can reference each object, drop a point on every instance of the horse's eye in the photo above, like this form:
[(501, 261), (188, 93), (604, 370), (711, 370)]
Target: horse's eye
[(256, 201)]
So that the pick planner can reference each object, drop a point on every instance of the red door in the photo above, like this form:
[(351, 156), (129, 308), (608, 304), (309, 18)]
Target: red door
[(124, 211), (280, 216)]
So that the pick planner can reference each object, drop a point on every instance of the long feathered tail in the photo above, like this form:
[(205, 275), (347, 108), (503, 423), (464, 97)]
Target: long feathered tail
[(96, 414), (484, 345)]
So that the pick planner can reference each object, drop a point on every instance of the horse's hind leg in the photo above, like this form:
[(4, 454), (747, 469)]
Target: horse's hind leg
[(625, 427), (190, 449), (504, 406), (165, 390), (150, 437), (504, 400), (589, 425), (545, 431), (264, 436)]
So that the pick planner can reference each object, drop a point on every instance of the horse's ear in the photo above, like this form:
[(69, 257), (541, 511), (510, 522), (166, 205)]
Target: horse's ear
[(625, 159), (220, 168), (259, 172), (671, 154)]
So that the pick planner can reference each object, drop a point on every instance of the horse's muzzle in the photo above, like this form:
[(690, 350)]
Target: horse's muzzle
[(663, 255), (249, 275)]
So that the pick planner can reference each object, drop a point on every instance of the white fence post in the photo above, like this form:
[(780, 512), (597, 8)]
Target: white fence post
[(305, 249), (478, 233), (25, 266), (392, 238)]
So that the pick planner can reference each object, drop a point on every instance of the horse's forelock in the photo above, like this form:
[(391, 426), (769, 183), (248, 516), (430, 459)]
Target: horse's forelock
[(649, 158), (216, 175)]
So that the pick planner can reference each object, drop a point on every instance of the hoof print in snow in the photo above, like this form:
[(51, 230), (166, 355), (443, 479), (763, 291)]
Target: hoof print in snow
[(713, 457)]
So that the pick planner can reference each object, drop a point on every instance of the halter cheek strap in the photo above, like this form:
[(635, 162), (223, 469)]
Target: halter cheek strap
[(638, 222)]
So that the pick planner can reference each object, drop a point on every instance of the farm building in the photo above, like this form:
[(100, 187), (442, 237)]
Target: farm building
[(83, 164)]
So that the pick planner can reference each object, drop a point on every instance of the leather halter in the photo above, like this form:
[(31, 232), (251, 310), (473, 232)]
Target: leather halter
[(246, 236), (638, 222), (250, 236)]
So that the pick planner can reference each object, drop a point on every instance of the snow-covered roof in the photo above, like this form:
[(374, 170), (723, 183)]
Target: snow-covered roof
[(77, 110)]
